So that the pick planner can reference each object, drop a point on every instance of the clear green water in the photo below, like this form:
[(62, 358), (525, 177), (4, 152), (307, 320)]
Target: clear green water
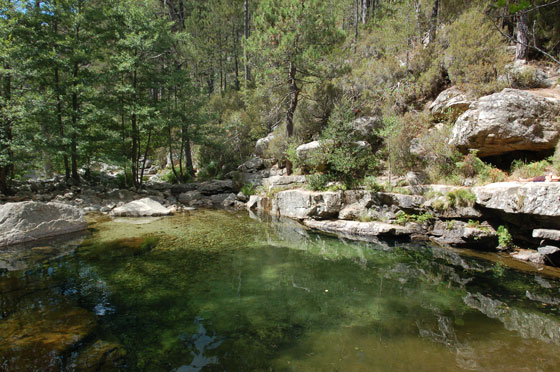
[(219, 291)]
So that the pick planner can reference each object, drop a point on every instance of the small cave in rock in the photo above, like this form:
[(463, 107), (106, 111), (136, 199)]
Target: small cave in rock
[(505, 161)]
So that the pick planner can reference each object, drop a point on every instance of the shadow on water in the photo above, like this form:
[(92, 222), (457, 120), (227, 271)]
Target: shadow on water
[(217, 291)]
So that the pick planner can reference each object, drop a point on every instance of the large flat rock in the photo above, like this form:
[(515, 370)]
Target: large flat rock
[(510, 120), (536, 198), (29, 221)]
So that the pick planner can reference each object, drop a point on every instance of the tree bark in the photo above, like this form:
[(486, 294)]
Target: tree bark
[(135, 135), (433, 22), (521, 49), (74, 138), (356, 21), (294, 96), (246, 36)]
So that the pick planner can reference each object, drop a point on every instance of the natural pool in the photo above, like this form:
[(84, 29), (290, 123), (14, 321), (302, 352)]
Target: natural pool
[(221, 291)]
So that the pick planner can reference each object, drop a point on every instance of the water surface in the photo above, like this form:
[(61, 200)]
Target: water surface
[(220, 291)]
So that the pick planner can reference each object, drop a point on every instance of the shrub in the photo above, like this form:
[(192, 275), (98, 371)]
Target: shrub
[(318, 182), (505, 239), (169, 177), (476, 55), (370, 184), (461, 198), (345, 159), (248, 189), (520, 169)]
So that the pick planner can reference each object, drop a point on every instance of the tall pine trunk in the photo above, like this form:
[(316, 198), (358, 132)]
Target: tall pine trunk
[(6, 166), (433, 22), (246, 36), (74, 138), (521, 49), (294, 97)]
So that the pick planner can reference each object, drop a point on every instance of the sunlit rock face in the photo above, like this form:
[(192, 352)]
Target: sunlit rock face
[(510, 120), (29, 221)]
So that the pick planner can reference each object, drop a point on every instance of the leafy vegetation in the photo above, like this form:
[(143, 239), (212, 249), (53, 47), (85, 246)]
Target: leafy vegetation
[(172, 84)]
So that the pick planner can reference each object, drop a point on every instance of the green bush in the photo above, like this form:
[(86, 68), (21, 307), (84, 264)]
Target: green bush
[(370, 184), (505, 239), (476, 55), (318, 182), (248, 189), (520, 169), (461, 198)]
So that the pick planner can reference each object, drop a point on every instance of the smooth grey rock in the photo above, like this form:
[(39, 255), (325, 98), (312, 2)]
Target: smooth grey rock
[(547, 234), (229, 200), (459, 234), (415, 178), (189, 196), (529, 255), (520, 72), (307, 150), (283, 181), (242, 197), (537, 198), (302, 204), (255, 202), (215, 187), (29, 221), (365, 229), (120, 194), (452, 101), (508, 121), (262, 145), (252, 165), (141, 208), (367, 127)]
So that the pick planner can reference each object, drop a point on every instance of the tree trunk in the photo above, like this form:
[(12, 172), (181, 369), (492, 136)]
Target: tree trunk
[(433, 22), (521, 49), (364, 11), (356, 15), (294, 96), (246, 36), (74, 138), (235, 57), (6, 166), (135, 135)]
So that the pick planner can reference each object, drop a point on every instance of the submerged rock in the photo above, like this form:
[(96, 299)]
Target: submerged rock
[(511, 120), (36, 339), (29, 221), (141, 208)]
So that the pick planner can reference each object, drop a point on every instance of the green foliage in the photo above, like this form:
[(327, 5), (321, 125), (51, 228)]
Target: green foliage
[(498, 270), (370, 183), (169, 177), (521, 169), (476, 55), (505, 240), (248, 189), (461, 198), (402, 218), (318, 182)]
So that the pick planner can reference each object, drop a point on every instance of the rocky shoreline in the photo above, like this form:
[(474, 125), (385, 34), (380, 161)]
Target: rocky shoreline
[(452, 216)]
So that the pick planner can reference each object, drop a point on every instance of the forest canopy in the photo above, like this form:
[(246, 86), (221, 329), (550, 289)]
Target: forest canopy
[(191, 85)]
